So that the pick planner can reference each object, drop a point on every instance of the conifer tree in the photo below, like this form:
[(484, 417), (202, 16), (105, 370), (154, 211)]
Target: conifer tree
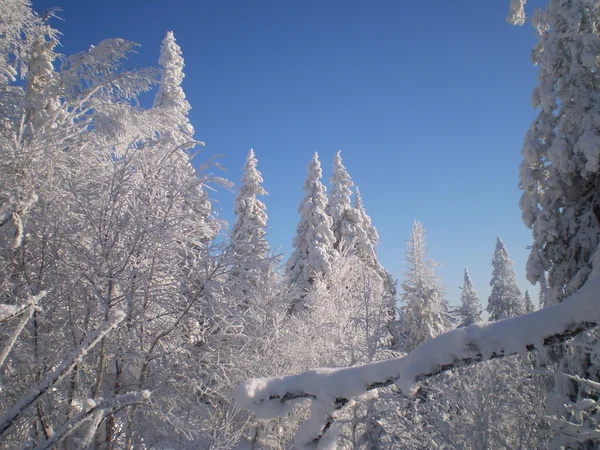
[(543, 297), (423, 315), (559, 178), (339, 205), (367, 237), (171, 102), (170, 93), (470, 308), (561, 153), (314, 240), (248, 236), (506, 299), (528, 303)]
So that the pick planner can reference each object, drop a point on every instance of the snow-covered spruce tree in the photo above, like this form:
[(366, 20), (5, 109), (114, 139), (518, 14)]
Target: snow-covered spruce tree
[(171, 102), (470, 308), (248, 236), (561, 153), (313, 244), (423, 314), (354, 233), (505, 299), (543, 295), (170, 94), (528, 303), (339, 205), (560, 176), (367, 238)]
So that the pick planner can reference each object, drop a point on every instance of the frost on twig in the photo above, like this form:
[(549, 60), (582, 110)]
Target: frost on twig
[(94, 407), (271, 397), (9, 311), (59, 372)]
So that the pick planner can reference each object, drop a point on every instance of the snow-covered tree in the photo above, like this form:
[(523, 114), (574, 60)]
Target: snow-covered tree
[(170, 93), (367, 238), (543, 295), (97, 197), (561, 153), (423, 314), (313, 244), (470, 308), (528, 303), (339, 205), (170, 101), (248, 235), (505, 299)]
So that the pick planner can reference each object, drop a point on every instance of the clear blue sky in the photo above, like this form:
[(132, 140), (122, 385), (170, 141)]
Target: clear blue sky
[(428, 101)]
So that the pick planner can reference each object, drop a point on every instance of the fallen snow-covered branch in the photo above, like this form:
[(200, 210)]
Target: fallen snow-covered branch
[(332, 389), (59, 372), (93, 407)]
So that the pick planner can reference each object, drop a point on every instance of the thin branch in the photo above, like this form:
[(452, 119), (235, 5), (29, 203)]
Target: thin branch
[(62, 370)]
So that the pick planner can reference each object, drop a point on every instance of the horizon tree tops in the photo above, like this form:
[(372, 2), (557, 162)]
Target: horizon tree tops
[(332, 226)]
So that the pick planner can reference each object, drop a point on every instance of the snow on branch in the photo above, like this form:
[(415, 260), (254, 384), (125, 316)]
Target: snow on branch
[(7, 312), (60, 371), (516, 12), (332, 389), (93, 407)]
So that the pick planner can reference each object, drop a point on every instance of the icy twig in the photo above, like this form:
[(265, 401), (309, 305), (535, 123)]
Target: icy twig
[(95, 406)]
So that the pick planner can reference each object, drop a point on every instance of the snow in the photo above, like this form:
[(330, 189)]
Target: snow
[(59, 372), (8, 311), (270, 397), (516, 12)]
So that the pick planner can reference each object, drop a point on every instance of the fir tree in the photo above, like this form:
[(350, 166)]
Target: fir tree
[(170, 94), (470, 308), (528, 303), (561, 153), (339, 205), (248, 240), (423, 313), (170, 101), (543, 297), (367, 237), (506, 299), (313, 244)]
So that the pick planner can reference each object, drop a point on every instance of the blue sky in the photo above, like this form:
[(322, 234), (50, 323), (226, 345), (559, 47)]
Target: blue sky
[(428, 101)]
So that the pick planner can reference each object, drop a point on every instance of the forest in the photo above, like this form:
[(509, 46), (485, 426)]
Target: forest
[(133, 317)]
